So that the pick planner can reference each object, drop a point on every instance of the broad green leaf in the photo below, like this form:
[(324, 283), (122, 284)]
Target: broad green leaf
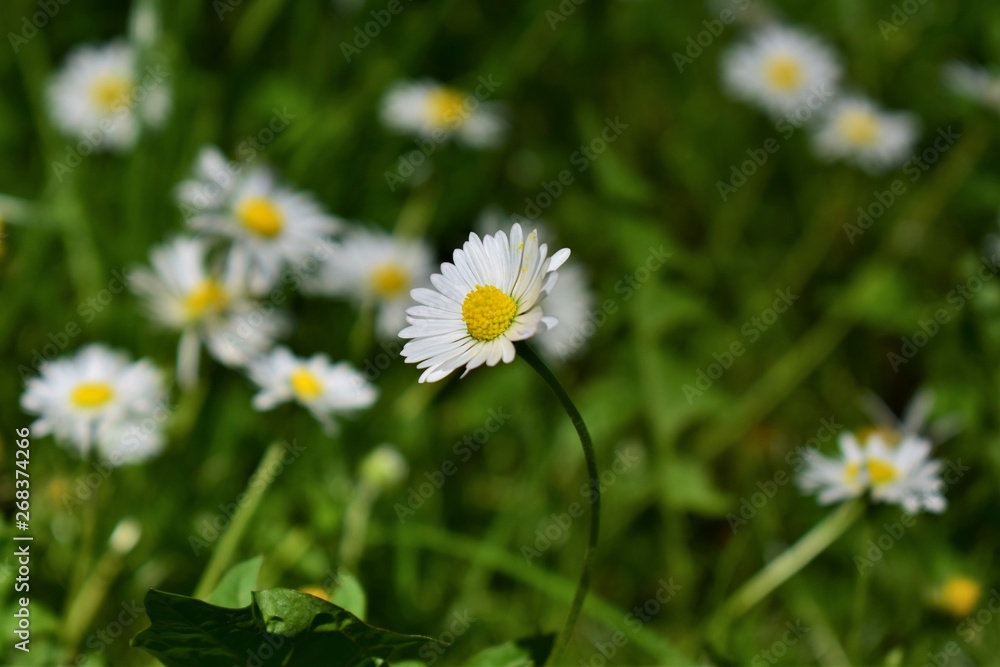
[(530, 652), (280, 627), (350, 595), (236, 586)]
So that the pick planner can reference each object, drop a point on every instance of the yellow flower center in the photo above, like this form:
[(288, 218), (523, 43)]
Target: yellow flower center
[(305, 384), (959, 596), (389, 280), (488, 312), (860, 128), (208, 298), (445, 107), (92, 395), (110, 91), (783, 73), (851, 471), (261, 216), (881, 472)]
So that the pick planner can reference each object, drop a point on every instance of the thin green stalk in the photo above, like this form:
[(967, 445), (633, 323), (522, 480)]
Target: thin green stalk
[(796, 557), (226, 548), (595, 511)]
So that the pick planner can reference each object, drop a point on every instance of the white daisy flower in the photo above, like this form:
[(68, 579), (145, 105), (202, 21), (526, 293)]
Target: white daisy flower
[(434, 111), (272, 225), (837, 478), (976, 83), (101, 96), (91, 398), (902, 473), (571, 302), (375, 268), (206, 305), (481, 304), (324, 388), (780, 69), (855, 129)]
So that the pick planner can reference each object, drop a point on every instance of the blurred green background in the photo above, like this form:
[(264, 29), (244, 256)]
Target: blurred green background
[(655, 185)]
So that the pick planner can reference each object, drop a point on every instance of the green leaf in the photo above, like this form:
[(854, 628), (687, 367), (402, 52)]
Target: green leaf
[(236, 586), (279, 627), (350, 595), (528, 652)]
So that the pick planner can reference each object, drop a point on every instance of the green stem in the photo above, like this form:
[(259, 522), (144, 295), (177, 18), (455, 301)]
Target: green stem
[(796, 557), (595, 511), (224, 552)]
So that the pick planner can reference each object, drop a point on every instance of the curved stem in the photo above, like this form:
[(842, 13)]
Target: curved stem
[(595, 511)]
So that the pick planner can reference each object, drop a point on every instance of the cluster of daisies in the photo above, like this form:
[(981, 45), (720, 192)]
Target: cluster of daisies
[(795, 77)]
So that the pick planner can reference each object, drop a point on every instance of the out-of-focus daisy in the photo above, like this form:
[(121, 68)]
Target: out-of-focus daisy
[(325, 389), (856, 130), (374, 268), (272, 225), (209, 305), (434, 111), (571, 302), (101, 96), (958, 596), (915, 420), (92, 398), (976, 83), (780, 69), (838, 478), (489, 298)]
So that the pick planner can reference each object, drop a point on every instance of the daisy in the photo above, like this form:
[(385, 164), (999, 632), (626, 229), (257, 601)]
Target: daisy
[(838, 478), (431, 110), (375, 268), (274, 226), (902, 473), (780, 69), (856, 130), (207, 305), (325, 389), (975, 83), (101, 96), (91, 398), (571, 302), (484, 302)]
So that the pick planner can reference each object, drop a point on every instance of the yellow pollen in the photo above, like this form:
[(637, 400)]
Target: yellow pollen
[(389, 280), (445, 107), (488, 312), (305, 384), (881, 472), (859, 127), (110, 91), (783, 73), (260, 216), (92, 394), (208, 298), (851, 471), (959, 596)]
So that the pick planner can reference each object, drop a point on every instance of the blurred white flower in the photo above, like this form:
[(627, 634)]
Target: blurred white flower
[(976, 83), (101, 96), (856, 130), (273, 226), (325, 389), (837, 478), (96, 398), (780, 69), (206, 304), (434, 111), (481, 304), (571, 302), (372, 267), (383, 468)]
